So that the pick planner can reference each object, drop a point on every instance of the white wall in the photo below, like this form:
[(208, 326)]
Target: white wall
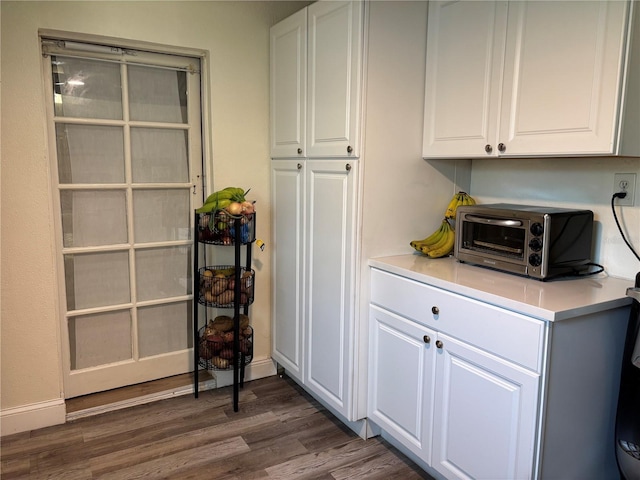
[(237, 36), (572, 183)]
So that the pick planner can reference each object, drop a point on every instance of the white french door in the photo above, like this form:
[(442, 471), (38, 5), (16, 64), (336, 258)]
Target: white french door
[(126, 150)]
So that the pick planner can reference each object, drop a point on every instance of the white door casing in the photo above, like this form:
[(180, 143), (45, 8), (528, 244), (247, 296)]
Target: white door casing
[(126, 163)]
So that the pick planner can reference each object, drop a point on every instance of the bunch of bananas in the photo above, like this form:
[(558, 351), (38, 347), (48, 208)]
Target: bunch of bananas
[(440, 243), (221, 199), (460, 198)]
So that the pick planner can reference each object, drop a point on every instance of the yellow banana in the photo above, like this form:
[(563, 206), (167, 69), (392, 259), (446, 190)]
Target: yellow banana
[(455, 202), (451, 208), (434, 237), (470, 200), (441, 241), (446, 248)]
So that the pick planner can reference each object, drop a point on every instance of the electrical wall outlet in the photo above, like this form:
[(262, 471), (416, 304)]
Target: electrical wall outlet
[(625, 182)]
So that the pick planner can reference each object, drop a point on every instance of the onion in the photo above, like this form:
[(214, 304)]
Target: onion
[(234, 208), (247, 207)]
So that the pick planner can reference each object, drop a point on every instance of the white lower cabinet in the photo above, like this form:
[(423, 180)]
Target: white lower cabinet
[(401, 379), (475, 391), (455, 402), (484, 414)]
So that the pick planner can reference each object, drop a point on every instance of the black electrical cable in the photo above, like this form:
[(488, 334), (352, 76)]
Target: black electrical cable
[(615, 217)]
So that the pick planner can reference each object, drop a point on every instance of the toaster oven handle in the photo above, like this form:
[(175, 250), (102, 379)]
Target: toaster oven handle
[(494, 221)]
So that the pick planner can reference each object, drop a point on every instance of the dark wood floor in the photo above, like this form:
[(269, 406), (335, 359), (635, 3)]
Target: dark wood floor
[(278, 432)]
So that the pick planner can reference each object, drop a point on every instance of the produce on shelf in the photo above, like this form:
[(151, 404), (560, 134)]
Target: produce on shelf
[(217, 286), (216, 342), (231, 199), (440, 243)]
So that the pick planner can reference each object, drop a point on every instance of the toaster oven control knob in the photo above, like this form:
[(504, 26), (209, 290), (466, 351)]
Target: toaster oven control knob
[(535, 244), (536, 229), (535, 259)]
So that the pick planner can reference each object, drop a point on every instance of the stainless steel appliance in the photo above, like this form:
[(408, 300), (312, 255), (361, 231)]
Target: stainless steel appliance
[(539, 242)]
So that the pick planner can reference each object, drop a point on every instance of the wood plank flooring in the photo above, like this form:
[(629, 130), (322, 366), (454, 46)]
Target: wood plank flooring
[(279, 432)]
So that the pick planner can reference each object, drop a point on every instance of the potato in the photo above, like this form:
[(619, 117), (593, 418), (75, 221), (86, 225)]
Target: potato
[(219, 286), (226, 353), (225, 297), (223, 323), (219, 362), (205, 351)]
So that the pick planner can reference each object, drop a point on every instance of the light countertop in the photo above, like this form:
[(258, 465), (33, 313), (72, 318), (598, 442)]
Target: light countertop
[(551, 301)]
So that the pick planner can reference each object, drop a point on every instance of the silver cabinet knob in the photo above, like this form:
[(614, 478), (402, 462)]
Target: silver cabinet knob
[(502, 147), (435, 310), (349, 149), (299, 151), (488, 148), (347, 167), (439, 344), (427, 339)]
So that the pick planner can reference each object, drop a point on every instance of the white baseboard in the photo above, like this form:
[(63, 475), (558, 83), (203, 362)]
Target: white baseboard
[(45, 414), (256, 369), (32, 416)]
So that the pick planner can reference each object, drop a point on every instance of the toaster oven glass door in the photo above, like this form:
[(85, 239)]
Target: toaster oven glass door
[(494, 239)]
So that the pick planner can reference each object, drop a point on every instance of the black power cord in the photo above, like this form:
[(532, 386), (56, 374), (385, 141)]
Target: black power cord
[(615, 217)]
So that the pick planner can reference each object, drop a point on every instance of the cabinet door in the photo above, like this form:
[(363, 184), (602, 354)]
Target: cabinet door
[(288, 70), (465, 51), (329, 298), (287, 189), (401, 377), (484, 416), (334, 76), (562, 77)]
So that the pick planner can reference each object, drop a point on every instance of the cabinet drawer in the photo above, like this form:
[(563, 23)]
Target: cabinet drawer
[(510, 335)]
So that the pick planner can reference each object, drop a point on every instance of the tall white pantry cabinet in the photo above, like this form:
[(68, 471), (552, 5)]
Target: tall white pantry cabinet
[(316, 73), (345, 77)]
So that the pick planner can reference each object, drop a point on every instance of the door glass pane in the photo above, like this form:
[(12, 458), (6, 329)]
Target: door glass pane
[(161, 215), (93, 217), (90, 154), (163, 272), (157, 95), (164, 328), (86, 88), (100, 339), (96, 279), (159, 155)]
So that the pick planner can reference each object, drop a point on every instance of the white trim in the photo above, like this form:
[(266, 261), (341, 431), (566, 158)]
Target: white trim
[(32, 416), (256, 369)]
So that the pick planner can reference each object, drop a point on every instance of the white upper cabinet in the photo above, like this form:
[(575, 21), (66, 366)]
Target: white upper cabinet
[(531, 78), (316, 74), (288, 86), (334, 77)]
